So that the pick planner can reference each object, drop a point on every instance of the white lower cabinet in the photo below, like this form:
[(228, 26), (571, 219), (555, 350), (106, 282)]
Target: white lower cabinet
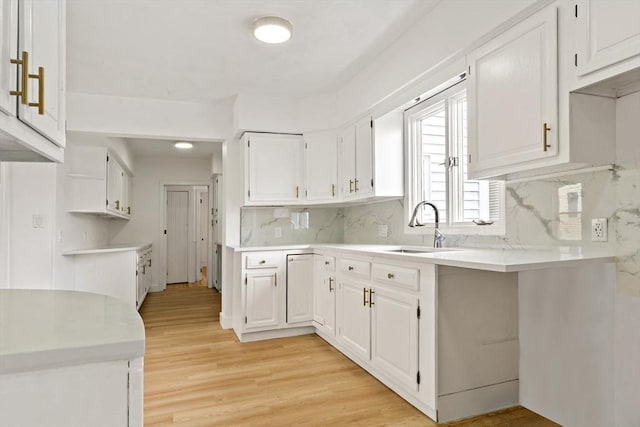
[(324, 294), (394, 335), (262, 298), (353, 317)]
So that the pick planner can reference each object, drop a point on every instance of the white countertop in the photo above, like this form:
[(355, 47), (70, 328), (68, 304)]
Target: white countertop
[(107, 248), (41, 329), (501, 260)]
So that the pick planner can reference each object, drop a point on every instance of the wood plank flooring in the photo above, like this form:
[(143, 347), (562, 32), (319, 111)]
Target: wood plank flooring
[(197, 374)]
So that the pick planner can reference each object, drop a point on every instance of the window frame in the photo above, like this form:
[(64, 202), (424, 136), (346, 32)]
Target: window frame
[(413, 114)]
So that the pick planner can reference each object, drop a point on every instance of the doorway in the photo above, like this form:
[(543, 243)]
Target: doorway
[(187, 234)]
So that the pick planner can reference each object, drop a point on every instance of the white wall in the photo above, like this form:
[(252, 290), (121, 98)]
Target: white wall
[(147, 218)]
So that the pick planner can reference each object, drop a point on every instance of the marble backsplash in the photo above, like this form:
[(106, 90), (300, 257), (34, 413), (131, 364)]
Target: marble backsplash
[(269, 226)]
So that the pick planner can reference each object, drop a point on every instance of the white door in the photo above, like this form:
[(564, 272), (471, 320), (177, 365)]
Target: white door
[(203, 229), (353, 318), (364, 157), (607, 32), (262, 299), (114, 185), (275, 168), (177, 236), (42, 35), (321, 161), (348, 162), (299, 288), (394, 335), (9, 51), (512, 95)]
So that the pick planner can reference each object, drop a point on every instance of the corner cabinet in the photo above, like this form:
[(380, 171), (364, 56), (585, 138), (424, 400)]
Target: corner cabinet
[(273, 164), (324, 294), (32, 79), (513, 95), (371, 158), (99, 183)]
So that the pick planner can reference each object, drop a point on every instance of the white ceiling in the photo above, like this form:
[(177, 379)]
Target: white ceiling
[(163, 148), (203, 50)]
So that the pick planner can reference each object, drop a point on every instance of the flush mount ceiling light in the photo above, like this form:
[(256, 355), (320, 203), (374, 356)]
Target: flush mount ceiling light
[(272, 29), (183, 145)]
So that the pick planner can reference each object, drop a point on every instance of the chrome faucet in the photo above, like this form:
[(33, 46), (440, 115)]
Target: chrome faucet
[(438, 237)]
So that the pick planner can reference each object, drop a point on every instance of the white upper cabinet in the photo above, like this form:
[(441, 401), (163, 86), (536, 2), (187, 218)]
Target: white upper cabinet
[(513, 96), (607, 33), (32, 80), (42, 35), (321, 166), (274, 169), (371, 158)]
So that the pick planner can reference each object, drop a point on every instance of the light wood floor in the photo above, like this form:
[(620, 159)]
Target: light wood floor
[(197, 374)]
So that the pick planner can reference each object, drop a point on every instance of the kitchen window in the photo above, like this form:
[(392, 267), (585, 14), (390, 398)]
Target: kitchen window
[(437, 159)]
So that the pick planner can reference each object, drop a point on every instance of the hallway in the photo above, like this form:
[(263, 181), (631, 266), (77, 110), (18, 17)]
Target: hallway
[(197, 374)]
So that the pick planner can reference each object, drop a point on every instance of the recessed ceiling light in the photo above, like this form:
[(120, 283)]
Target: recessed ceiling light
[(272, 29), (183, 145)]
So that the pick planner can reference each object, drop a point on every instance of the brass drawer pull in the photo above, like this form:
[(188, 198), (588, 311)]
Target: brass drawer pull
[(545, 130), (351, 186), (262, 262), (117, 205), (327, 263), (333, 190), (356, 185), (350, 268), (390, 276), (40, 78), (364, 297), (371, 292), (330, 284), (24, 78), (275, 279)]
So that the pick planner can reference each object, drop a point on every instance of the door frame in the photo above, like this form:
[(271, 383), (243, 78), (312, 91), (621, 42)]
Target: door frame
[(162, 226)]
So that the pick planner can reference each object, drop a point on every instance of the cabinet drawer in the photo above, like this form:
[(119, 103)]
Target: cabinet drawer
[(392, 274), (328, 264), (264, 260), (355, 268)]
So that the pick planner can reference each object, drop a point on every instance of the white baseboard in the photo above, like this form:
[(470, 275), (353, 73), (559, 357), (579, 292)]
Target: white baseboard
[(225, 321), (156, 287), (478, 401), (278, 333)]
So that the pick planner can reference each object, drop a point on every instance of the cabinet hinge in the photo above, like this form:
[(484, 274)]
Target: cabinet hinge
[(306, 145), (469, 70), (248, 143), (371, 182), (371, 122), (136, 272), (107, 202), (248, 193), (107, 157), (245, 280), (418, 312), (245, 320), (418, 377), (576, 10), (305, 193), (575, 59), (165, 231)]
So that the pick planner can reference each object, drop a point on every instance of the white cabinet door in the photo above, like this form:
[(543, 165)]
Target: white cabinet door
[(42, 35), (364, 157), (348, 162), (125, 205), (513, 96), (353, 318), (299, 288), (324, 294), (114, 185), (275, 168), (9, 47), (607, 32), (321, 166), (261, 299), (394, 335)]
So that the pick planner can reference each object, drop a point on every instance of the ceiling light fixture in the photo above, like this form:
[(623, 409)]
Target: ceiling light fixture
[(272, 29), (183, 145)]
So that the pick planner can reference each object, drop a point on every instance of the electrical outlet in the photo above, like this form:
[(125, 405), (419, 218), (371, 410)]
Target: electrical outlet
[(599, 229), (383, 230), (278, 232)]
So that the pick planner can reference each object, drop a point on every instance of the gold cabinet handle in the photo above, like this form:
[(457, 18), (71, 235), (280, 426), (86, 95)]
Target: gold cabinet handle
[(350, 186), (262, 262), (333, 190), (40, 78), (350, 268), (364, 297), (356, 185), (330, 283), (297, 191), (390, 276), (275, 279), (545, 130), (24, 78), (129, 210), (117, 205), (149, 263), (326, 263), (371, 292)]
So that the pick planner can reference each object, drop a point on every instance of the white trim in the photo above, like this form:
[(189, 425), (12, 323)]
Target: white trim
[(610, 167)]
